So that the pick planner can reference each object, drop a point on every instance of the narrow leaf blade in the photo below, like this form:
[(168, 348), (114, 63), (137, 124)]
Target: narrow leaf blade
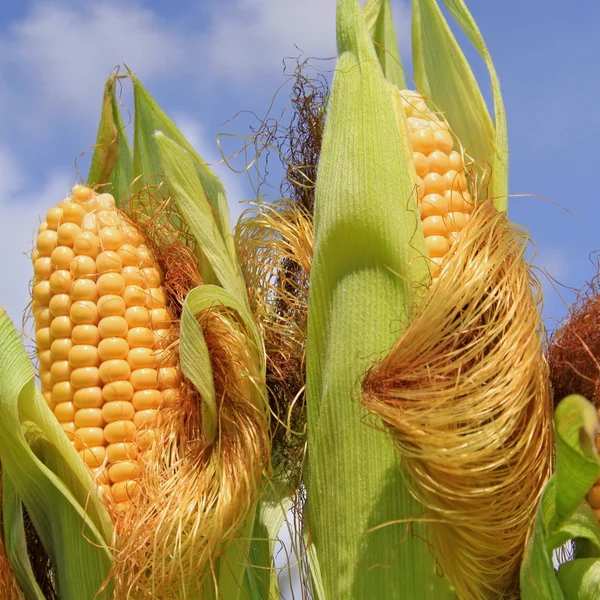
[(112, 161), (188, 194), (49, 478), (378, 15)]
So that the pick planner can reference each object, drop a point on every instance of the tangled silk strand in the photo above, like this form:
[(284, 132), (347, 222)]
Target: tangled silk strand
[(465, 393)]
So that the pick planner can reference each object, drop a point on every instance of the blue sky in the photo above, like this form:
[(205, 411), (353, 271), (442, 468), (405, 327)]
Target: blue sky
[(205, 61)]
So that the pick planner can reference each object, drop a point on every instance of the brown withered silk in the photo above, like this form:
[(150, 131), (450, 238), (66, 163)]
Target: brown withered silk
[(465, 394), (574, 348), (574, 358), (274, 243)]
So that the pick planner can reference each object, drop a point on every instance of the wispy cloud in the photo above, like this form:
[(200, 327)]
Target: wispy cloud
[(21, 207), (65, 52), (248, 39)]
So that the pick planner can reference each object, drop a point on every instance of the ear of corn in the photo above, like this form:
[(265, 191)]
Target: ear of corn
[(101, 326), (368, 264), (215, 479)]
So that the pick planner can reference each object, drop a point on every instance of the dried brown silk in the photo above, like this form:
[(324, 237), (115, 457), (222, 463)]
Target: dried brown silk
[(465, 394), (275, 249), (574, 348), (194, 495), (274, 243)]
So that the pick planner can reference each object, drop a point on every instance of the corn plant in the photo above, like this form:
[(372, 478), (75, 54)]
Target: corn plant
[(373, 342)]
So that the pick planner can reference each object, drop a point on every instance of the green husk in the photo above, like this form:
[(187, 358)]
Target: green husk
[(443, 75), (564, 514), (42, 471), (112, 161), (378, 15), (367, 274), (147, 163)]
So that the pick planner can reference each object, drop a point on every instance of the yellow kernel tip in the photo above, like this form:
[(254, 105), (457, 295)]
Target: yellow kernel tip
[(81, 193)]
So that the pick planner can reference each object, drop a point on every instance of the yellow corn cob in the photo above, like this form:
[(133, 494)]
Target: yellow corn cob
[(100, 323), (444, 202)]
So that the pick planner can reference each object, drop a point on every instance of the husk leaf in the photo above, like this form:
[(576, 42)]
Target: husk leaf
[(378, 15), (112, 161), (366, 277), (48, 477), (186, 187), (9, 588), (147, 165), (563, 512), (443, 75)]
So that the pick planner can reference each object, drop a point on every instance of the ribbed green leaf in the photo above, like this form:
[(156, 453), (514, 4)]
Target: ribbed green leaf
[(15, 542), (563, 512), (580, 579), (315, 570), (378, 15), (233, 564), (499, 189), (195, 360), (149, 117), (50, 479), (112, 161), (368, 255), (443, 74), (187, 191)]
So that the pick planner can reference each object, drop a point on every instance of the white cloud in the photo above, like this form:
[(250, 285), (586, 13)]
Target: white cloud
[(249, 38), (21, 209), (66, 52)]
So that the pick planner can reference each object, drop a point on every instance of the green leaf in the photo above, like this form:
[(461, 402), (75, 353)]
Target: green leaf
[(16, 544), (149, 117), (580, 579), (378, 15), (195, 359), (233, 564), (563, 512), (271, 515), (368, 256), (112, 161), (443, 74), (499, 189), (47, 475), (577, 461), (188, 194)]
